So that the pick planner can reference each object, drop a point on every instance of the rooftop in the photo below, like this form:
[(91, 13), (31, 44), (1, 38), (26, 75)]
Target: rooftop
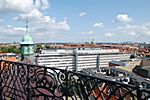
[(27, 39)]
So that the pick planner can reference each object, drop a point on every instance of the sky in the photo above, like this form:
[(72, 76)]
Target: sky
[(75, 20)]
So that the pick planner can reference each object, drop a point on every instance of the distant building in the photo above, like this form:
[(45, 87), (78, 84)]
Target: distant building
[(79, 59), (27, 47), (127, 65), (9, 57), (116, 63), (143, 69)]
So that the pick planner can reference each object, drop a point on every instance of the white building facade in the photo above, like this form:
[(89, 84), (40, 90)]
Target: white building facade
[(79, 59)]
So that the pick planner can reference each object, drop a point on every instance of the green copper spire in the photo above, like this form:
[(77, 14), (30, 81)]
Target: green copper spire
[(27, 45), (27, 39)]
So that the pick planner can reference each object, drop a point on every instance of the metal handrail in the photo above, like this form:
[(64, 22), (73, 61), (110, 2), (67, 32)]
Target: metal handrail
[(21, 81)]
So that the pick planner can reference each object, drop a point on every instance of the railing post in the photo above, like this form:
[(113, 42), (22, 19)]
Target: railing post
[(28, 90), (1, 91), (67, 85), (139, 94)]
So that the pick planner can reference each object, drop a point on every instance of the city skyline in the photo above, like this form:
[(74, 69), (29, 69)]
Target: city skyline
[(75, 21)]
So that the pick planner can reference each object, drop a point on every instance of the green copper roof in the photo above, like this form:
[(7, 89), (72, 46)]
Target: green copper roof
[(27, 39)]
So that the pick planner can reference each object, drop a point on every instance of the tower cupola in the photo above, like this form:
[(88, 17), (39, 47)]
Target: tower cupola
[(27, 46)]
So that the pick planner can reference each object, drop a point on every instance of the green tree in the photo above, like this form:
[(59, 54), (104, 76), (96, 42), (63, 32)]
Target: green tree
[(11, 49), (39, 46)]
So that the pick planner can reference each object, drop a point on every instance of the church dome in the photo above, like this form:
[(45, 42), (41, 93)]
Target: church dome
[(27, 39)]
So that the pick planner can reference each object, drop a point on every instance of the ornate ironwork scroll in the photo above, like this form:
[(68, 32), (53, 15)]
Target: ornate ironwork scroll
[(20, 81)]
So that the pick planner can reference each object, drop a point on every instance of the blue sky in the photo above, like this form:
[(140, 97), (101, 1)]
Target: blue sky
[(76, 20)]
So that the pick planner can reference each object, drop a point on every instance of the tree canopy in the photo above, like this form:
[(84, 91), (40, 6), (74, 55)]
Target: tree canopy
[(10, 49)]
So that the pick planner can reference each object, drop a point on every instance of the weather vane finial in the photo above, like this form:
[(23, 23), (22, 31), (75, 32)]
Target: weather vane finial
[(26, 25)]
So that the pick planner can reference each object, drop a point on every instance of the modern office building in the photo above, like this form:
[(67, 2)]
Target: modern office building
[(79, 59)]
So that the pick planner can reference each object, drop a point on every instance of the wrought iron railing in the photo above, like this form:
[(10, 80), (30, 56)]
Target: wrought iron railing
[(19, 81)]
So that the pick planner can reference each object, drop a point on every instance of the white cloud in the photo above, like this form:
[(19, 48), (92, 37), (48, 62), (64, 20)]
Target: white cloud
[(135, 30), (34, 15), (89, 32), (100, 24), (123, 18), (1, 20), (36, 31), (22, 6), (16, 6), (82, 14), (109, 34), (39, 24), (39, 21), (8, 30), (133, 34), (42, 4), (10, 33)]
